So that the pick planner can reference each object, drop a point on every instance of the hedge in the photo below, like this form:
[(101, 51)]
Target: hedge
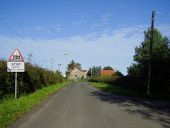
[(32, 79)]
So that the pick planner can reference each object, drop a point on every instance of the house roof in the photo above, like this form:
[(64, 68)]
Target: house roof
[(107, 72)]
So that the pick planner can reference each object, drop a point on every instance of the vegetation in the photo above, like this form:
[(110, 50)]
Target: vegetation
[(118, 73), (95, 70), (126, 85), (104, 79), (160, 61), (11, 109), (107, 68), (136, 80), (32, 79), (116, 89), (73, 64)]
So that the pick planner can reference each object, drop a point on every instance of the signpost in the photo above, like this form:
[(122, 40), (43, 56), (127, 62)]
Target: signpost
[(16, 64)]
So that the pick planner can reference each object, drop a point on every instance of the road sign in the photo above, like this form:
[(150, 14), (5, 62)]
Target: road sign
[(16, 64), (16, 56), (15, 67)]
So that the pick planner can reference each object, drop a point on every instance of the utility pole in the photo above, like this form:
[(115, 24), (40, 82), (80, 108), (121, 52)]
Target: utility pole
[(30, 55), (91, 72), (150, 53), (59, 67), (51, 64)]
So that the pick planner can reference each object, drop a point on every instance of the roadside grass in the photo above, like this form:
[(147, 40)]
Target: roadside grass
[(127, 92), (116, 90), (11, 109)]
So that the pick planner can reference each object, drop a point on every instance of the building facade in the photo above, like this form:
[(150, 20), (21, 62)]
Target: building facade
[(107, 72), (75, 74)]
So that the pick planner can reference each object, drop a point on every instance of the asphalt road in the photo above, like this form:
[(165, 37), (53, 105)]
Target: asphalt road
[(82, 106)]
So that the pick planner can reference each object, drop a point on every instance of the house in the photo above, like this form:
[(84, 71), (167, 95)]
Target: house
[(74, 74), (107, 72)]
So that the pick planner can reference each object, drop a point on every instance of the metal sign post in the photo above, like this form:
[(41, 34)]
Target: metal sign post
[(15, 85), (16, 64)]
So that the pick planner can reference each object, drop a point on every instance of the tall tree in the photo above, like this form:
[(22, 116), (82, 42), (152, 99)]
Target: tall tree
[(73, 65), (160, 59)]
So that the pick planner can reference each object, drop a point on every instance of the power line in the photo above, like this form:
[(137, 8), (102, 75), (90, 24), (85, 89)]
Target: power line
[(12, 29), (20, 39)]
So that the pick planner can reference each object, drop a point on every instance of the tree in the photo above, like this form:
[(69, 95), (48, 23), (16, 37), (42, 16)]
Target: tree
[(95, 71), (107, 68), (160, 60), (73, 65), (118, 73)]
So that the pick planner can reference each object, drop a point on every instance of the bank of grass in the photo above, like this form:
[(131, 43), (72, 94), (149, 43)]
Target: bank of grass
[(11, 109), (116, 89)]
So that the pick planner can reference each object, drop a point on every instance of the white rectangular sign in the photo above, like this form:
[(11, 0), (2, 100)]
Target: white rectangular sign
[(15, 67)]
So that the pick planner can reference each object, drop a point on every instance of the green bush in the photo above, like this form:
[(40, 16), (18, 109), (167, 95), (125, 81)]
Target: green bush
[(105, 79), (32, 79), (130, 82)]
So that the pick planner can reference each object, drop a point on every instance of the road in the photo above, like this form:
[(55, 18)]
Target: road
[(82, 106)]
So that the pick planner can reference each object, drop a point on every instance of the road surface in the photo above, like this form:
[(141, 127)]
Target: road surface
[(82, 106)]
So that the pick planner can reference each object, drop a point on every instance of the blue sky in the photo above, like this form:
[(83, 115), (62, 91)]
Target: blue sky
[(92, 32)]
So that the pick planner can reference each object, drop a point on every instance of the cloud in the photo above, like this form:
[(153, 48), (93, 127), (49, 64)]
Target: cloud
[(165, 29), (39, 28), (115, 48), (81, 20), (56, 27), (105, 17), (97, 25), (103, 21), (42, 28)]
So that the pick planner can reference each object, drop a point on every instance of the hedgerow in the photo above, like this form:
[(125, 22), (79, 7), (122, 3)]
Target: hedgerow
[(32, 79)]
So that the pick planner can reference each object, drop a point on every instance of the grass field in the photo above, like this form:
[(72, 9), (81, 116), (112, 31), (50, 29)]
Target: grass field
[(11, 109)]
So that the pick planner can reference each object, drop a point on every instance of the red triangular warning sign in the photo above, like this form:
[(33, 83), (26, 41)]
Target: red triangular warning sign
[(16, 56)]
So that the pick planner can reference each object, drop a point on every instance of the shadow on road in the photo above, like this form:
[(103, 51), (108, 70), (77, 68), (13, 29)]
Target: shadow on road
[(147, 109)]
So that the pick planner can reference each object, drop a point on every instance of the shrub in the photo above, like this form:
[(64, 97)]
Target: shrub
[(105, 79), (130, 82), (29, 81)]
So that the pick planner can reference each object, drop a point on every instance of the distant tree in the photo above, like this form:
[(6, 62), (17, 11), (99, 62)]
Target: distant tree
[(107, 68), (95, 71), (118, 73), (73, 65)]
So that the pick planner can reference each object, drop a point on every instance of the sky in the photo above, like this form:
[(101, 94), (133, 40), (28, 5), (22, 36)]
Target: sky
[(91, 32)]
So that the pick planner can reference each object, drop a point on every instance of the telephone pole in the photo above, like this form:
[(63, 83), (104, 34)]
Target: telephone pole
[(150, 53), (91, 72), (59, 67), (52, 61), (30, 56)]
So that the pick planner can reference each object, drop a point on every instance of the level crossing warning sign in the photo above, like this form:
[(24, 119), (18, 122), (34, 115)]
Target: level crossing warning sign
[(16, 62)]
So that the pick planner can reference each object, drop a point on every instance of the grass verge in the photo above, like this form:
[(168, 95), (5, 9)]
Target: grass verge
[(125, 91), (11, 109), (116, 89)]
